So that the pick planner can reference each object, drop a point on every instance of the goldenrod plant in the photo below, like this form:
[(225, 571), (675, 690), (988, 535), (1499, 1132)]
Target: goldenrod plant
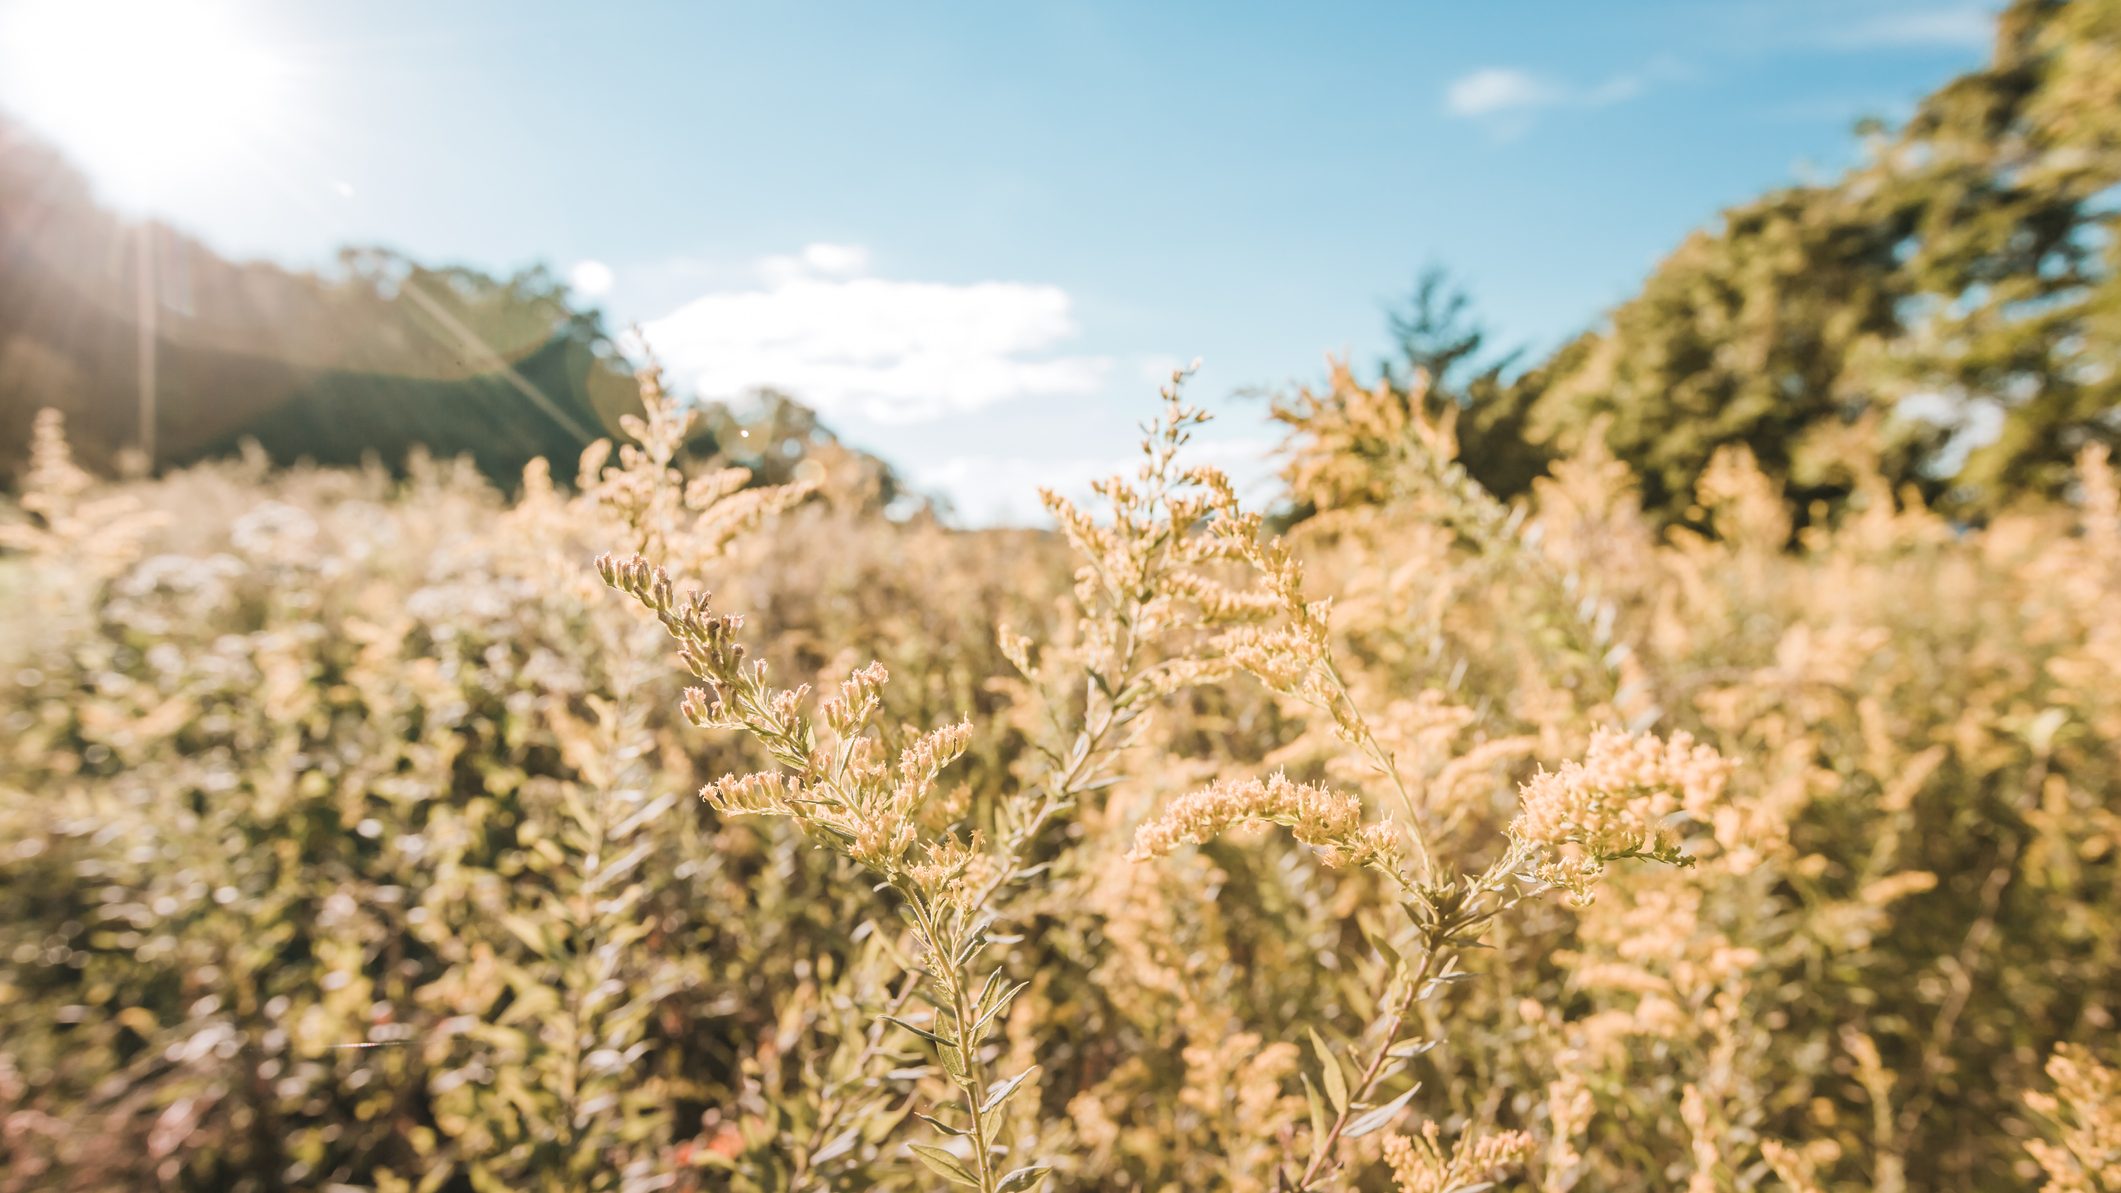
[(355, 834), (2085, 1109)]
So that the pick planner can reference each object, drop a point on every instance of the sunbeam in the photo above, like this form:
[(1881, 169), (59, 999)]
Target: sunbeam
[(156, 98)]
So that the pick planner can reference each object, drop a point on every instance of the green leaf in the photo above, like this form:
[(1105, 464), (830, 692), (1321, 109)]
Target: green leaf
[(1381, 1116), (1008, 995), (1336, 1080), (946, 1164), (953, 1060), (922, 1032), (1022, 1179), (1003, 1089), (940, 1125), (987, 987), (1380, 938)]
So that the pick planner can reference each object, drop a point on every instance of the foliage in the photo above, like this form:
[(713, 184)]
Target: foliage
[(1955, 298), (349, 838), (1443, 370)]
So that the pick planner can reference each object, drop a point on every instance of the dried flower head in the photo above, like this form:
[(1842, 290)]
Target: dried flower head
[(949, 867), (1421, 1165), (1329, 820), (1619, 802), (2086, 1109)]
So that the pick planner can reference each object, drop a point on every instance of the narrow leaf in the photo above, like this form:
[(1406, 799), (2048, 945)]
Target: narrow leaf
[(1318, 1110), (841, 1144), (1022, 1179), (922, 1032), (1001, 1004), (1003, 1089), (1381, 1116), (940, 1125), (946, 1164), (1336, 1080)]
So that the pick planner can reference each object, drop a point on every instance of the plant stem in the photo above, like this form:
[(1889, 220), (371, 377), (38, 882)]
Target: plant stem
[(972, 1083), (1323, 1156)]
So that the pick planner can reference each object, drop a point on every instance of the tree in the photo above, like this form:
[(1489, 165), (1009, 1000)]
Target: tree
[(1440, 368), (1440, 338), (1959, 289), (452, 360)]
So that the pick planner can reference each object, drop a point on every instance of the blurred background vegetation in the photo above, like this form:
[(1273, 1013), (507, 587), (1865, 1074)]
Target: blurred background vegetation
[(164, 346)]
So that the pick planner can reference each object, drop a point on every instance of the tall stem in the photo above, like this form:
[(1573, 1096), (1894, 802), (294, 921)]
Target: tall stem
[(1383, 760), (973, 1081), (1323, 1156)]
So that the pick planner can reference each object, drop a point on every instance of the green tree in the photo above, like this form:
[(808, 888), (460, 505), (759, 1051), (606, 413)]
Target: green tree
[(1959, 287), (1439, 338), (1344, 438), (451, 360), (1747, 335)]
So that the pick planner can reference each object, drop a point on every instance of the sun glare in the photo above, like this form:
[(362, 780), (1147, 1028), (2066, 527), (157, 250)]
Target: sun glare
[(151, 97)]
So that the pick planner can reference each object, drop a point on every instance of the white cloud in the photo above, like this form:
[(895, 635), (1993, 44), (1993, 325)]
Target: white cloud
[(817, 260), (591, 279), (1500, 89), (1506, 97), (821, 328), (1614, 90), (1962, 26)]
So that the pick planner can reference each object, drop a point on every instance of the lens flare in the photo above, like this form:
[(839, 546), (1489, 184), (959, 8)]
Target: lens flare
[(151, 97)]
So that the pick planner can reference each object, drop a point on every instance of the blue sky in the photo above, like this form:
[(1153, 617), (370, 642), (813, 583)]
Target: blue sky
[(973, 233)]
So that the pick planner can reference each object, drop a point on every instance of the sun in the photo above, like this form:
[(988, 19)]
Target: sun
[(151, 97)]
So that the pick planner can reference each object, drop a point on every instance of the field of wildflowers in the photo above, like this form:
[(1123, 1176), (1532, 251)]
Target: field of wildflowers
[(372, 832)]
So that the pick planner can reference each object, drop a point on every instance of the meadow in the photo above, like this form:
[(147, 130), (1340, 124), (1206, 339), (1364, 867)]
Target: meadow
[(362, 831)]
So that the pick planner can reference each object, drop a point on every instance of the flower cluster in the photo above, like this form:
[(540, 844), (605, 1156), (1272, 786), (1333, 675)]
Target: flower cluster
[(1330, 821), (1619, 802), (1421, 1165), (685, 521), (2086, 1105), (836, 782)]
